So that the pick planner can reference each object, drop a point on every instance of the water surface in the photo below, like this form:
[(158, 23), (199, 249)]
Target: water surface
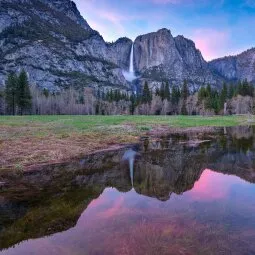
[(190, 194)]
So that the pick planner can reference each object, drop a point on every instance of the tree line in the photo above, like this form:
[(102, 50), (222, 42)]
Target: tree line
[(19, 97), (17, 94), (214, 99)]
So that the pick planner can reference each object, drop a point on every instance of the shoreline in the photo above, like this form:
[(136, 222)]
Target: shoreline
[(50, 140), (154, 134)]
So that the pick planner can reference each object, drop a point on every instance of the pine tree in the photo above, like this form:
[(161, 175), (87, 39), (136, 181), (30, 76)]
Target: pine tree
[(157, 92), (24, 98), (231, 91), (184, 96), (133, 103), (202, 93), (223, 95), (167, 91), (239, 88), (11, 92), (116, 95), (175, 96), (245, 88), (146, 96), (184, 109), (111, 96), (185, 90), (208, 90), (214, 101), (162, 91)]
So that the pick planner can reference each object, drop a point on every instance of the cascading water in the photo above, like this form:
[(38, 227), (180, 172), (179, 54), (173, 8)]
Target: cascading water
[(131, 64), (130, 75)]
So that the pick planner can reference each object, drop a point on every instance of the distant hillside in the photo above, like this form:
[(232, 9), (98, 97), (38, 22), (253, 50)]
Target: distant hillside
[(237, 67)]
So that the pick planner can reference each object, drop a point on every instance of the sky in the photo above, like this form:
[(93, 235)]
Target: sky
[(218, 27)]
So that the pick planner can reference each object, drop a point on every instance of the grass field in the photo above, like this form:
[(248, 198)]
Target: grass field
[(30, 140)]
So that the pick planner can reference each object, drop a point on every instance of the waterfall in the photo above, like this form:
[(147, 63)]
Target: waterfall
[(131, 64), (130, 75)]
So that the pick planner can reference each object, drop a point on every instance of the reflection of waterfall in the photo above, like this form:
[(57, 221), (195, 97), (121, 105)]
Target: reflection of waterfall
[(130, 157), (130, 75)]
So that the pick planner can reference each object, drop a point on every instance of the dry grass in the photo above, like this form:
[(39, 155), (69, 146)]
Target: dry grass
[(27, 151), (31, 140)]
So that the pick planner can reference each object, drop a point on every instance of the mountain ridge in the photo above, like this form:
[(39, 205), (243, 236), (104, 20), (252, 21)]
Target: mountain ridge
[(236, 67), (57, 51), (58, 48)]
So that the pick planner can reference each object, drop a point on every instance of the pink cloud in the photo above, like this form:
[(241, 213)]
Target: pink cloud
[(212, 43)]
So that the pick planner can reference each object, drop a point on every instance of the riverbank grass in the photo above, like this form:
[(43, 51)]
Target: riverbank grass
[(30, 140)]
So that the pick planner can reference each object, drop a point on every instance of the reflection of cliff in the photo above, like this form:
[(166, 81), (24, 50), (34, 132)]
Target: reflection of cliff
[(51, 200), (161, 173), (240, 164), (44, 202)]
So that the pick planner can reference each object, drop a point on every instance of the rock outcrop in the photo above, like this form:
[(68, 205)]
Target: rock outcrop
[(57, 47), (159, 56), (235, 68)]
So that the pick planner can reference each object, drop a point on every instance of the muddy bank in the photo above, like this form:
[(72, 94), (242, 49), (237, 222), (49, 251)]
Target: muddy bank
[(26, 154), (194, 135)]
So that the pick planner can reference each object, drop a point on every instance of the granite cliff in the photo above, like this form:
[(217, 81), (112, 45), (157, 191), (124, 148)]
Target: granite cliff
[(237, 67), (160, 56), (57, 47)]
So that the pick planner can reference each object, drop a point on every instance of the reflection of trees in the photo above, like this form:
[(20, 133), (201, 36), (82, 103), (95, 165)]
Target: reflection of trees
[(43, 202)]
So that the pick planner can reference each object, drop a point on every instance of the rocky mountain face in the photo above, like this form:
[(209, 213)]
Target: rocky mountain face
[(238, 67), (57, 47), (160, 56)]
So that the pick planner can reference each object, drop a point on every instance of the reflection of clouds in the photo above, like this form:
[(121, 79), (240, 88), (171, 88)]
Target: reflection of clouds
[(202, 203), (116, 208), (213, 186), (143, 225)]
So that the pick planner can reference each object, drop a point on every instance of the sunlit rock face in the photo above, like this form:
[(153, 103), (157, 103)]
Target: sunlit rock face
[(159, 56), (238, 67)]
